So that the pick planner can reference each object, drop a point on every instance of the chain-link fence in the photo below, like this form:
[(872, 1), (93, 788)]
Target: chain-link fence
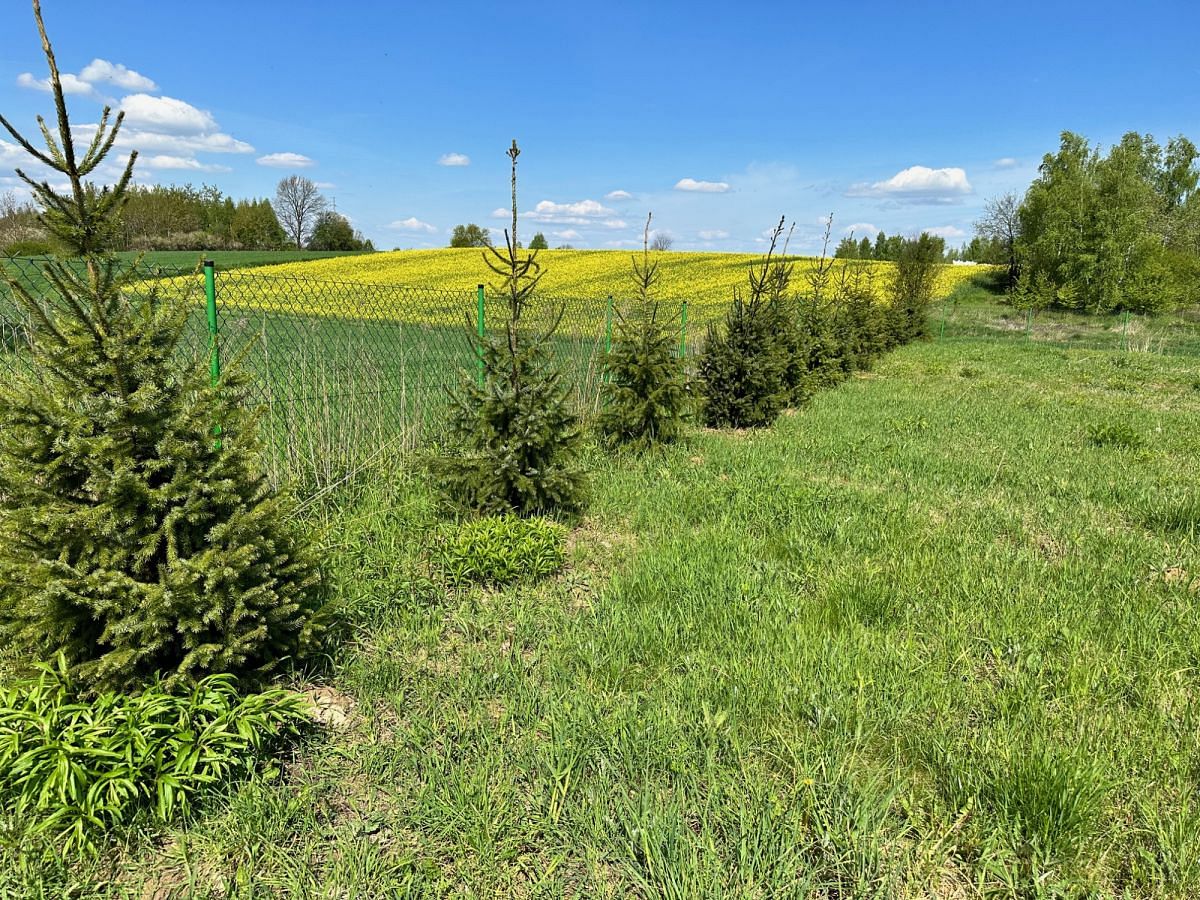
[(348, 372)]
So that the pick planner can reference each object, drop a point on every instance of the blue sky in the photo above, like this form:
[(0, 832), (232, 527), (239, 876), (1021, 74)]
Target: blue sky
[(718, 117)]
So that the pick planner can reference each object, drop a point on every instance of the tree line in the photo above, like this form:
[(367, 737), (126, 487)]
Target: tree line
[(1101, 232), (891, 247), (186, 217)]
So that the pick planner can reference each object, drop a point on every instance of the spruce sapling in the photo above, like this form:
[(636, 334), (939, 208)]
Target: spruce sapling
[(645, 398), (131, 541)]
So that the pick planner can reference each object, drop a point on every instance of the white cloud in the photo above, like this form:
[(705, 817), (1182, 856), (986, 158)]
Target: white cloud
[(454, 159), (286, 161), (861, 229), (166, 115), (101, 70), (589, 213), (618, 195), (412, 223), (569, 235), (548, 210), (949, 232), (10, 154), (713, 234), (1006, 162), (918, 184), (165, 161), (325, 185), (71, 84), (153, 141), (703, 187)]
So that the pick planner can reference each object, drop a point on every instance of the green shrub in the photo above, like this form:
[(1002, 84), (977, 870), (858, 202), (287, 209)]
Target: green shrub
[(645, 399), (745, 360), (912, 287), (1114, 434), (138, 534), (645, 395), (72, 770), (499, 550), (27, 248), (516, 437)]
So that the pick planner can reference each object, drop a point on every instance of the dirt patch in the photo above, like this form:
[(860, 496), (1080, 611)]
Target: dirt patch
[(331, 708)]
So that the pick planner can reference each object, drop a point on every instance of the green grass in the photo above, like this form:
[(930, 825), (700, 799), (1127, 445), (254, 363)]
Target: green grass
[(228, 259), (926, 637)]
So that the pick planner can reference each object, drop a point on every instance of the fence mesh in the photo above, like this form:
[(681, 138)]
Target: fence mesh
[(346, 371)]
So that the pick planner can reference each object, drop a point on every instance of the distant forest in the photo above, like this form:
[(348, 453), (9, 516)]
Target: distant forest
[(183, 218)]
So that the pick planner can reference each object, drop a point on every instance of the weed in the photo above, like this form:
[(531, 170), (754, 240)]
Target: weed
[(499, 550)]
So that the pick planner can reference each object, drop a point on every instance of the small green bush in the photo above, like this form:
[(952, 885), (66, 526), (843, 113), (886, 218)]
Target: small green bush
[(499, 550), (1114, 434), (746, 367), (27, 248), (645, 395), (71, 770)]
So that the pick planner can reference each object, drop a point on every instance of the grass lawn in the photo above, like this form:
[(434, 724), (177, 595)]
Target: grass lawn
[(229, 259), (933, 635)]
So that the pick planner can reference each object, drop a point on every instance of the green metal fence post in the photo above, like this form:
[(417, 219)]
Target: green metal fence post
[(683, 331), (942, 333), (1125, 333), (481, 331), (608, 323), (214, 346)]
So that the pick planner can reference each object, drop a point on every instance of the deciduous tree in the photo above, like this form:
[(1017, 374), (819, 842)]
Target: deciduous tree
[(298, 204)]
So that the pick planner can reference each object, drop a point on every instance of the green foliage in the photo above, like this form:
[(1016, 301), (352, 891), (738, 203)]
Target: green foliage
[(517, 437), (73, 770), (1114, 434), (183, 217), (333, 231), (912, 286), (499, 550), (470, 236), (32, 247), (1121, 231), (645, 397), (133, 539), (645, 401), (539, 242), (744, 362)]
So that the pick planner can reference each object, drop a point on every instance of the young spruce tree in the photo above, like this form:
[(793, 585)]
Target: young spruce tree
[(645, 397), (131, 539), (744, 364), (518, 436)]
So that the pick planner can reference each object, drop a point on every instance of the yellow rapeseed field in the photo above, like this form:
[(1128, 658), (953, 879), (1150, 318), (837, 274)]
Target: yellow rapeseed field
[(581, 277)]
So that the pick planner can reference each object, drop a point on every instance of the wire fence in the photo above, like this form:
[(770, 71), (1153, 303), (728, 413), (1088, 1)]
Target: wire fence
[(346, 371)]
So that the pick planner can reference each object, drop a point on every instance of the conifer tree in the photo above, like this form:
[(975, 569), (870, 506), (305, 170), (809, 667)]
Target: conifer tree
[(518, 435), (645, 397), (744, 364), (132, 540)]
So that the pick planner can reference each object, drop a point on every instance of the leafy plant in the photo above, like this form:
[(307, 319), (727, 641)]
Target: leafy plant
[(138, 533), (1114, 434), (912, 288), (71, 770), (645, 397), (499, 550), (518, 434)]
